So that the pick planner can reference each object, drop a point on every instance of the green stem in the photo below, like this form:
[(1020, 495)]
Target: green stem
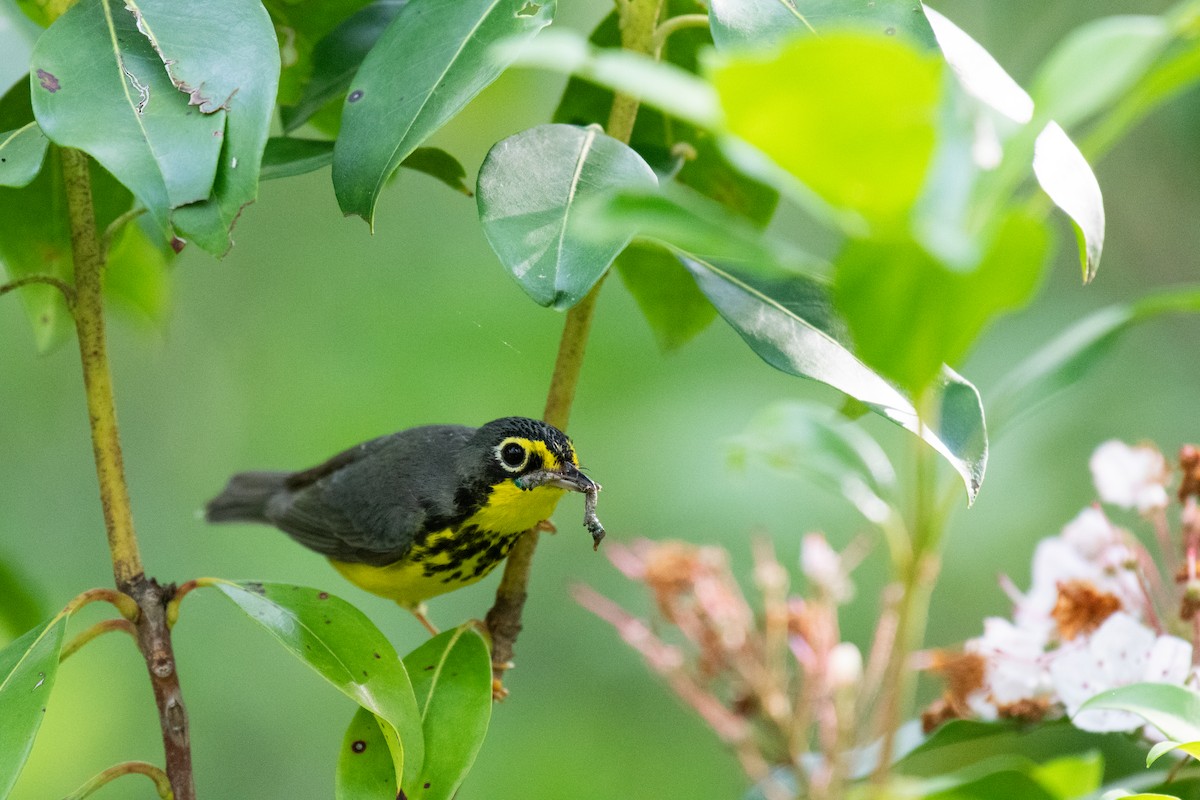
[(638, 21), (99, 629), (49, 280), (161, 783), (153, 635)]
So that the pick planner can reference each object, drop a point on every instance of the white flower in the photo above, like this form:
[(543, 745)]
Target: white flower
[(1121, 651), (1016, 667), (1090, 533), (1130, 477), (845, 666), (821, 564)]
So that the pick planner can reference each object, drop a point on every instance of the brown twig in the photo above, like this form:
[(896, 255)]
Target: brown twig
[(153, 635)]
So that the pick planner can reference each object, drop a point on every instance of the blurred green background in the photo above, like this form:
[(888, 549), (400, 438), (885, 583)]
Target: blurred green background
[(313, 335)]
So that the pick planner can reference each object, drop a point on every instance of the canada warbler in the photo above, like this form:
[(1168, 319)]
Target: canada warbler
[(420, 512)]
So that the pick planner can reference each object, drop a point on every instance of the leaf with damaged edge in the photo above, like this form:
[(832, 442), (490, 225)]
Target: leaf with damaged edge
[(28, 667), (761, 23), (336, 58), (364, 768), (531, 186), (452, 678), (396, 102), (344, 647), (790, 322), (22, 152), (194, 42), (99, 86)]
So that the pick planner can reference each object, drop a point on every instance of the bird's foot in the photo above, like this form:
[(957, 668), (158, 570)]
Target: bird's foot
[(418, 611)]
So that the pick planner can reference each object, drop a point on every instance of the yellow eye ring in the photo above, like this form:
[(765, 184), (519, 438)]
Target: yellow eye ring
[(512, 455)]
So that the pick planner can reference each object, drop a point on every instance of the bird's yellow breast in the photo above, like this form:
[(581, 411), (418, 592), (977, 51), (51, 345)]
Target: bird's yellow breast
[(453, 557)]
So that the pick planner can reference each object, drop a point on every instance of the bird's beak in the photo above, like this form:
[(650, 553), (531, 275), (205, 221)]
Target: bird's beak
[(568, 477)]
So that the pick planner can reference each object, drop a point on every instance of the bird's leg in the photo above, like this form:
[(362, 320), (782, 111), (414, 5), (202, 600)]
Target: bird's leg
[(546, 526), (418, 611)]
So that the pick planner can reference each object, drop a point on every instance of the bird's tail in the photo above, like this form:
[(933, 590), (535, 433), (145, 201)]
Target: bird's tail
[(245, 497)]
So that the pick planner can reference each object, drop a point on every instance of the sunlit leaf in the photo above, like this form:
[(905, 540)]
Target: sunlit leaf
[(1068, 180), (1066, 359), (396, 101), (452, 678), (336, 57), (1162, 748), (1071, 776), (22, 152), (1095, 64), (28, 667), (908, 314), (790, 322), (345, 648), (665, 292), (862, 136), (531, 186), (757, 23), (1174, 710), (365, 770)]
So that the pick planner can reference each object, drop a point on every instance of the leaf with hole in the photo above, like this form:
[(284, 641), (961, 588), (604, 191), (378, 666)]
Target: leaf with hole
[(28, 667), (452, 678), (531, 187), (346, 649), (365, 770), (396, 101)]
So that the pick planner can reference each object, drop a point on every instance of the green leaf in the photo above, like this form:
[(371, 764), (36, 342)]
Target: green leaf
[(664, 86), (530, 188), (790, 322), (299, 26), (1162, 748), (286, 157), (344, 647), (1174, 710), (1118, 794), (396, 101), (1095, 64), (44, 12), (99, 86), (365, 770), (1068, 180), (808, 439), (1066, 359), (22, 607), (136, 276), (666, 294), (908, 314), (862, 136), (22, 152), (195, 49), (672, 147), (335, 59), (758, 23), (452, 678), (27, 670), (1071, 776)]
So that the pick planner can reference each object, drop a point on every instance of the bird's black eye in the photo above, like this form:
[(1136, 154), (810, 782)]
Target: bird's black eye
[(513, 456)]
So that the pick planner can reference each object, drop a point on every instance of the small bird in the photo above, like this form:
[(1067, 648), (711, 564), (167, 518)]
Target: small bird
[(421, 512)]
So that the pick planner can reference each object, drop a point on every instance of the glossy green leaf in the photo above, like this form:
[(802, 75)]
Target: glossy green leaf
[(1162, 748), (335, 59), (1068, 180), (790, 322), (530, 189), (365, 770), (300, 25), (862, 136), (908, 314), (27, 670), (812, 441), (1174, 710), (672, 147), (440, 165), (1066, 359), (1096, 64), (452, 678), (666, 294), (758, 23), (344, 647), (196, 47), (396, 101), (663, 86), (99, 86), (22, 152)]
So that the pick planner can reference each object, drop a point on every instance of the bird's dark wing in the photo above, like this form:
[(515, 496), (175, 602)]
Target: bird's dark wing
[(371, 502)]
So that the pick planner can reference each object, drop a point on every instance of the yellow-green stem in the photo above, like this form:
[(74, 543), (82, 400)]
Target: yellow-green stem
[(161, 784), (638, 21)]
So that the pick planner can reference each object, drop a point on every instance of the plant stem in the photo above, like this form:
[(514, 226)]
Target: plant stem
[(49, 280), (100, 628), (161, 784), (638, 21), (154, 639)]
